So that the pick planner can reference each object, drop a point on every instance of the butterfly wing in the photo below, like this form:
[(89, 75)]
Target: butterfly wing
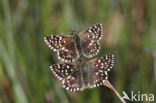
[(69, 74), (61, 70), (95, 32), (56, 42), (90, 48), (73, 79), (73, 82), (99, 68), (68, 53), (89, 40), (65, 47)]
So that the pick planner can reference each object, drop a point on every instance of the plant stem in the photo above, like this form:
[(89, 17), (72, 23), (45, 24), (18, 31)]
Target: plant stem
[(109, 85)]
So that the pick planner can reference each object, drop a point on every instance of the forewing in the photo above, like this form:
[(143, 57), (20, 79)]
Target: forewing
[(69, 74), (62, 70), (105, 62), (95, 32), (56, 42), (99, 68), (68, 53), (89, 40), (65, 47)]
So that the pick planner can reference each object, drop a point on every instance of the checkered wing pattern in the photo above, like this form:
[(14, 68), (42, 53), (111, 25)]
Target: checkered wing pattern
[(73, 82), (95, 32), (74, 79), (90, 40), (70, 76), (90, 48), (61, 70), (64, 46), (99, 68)]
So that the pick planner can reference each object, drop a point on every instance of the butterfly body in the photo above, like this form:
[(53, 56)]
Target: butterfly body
[(84, 73), (78, 44), (71, 48)]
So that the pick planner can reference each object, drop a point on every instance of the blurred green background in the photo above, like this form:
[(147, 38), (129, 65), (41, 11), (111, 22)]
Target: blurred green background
[(129, 34)]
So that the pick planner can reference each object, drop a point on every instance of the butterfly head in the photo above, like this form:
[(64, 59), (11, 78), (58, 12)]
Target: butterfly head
[(74, 32)]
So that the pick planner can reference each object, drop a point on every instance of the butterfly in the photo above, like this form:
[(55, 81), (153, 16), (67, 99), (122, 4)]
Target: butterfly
[(70, 48), (82, 74)]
